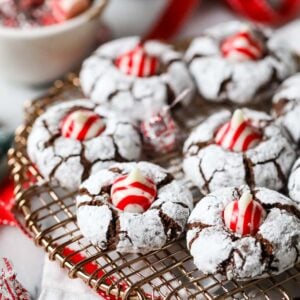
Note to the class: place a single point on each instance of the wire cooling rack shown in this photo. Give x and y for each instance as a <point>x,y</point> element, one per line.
<point>47,213</point>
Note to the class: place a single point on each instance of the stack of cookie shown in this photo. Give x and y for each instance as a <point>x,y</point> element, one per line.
<point>240,159</point>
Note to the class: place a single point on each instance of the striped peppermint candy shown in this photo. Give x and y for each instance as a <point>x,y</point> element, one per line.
<point>237,134</point>
<point>160,132</point>
<point>244,216</point>
<point>138,63</point>
<point>133,192</point>
<point>82,125</point>
<point>242,46</point>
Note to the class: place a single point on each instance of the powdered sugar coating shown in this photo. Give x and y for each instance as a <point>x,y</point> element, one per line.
<point>294,182</point>
<point>212,167</point>
<point>134,96</point>
<point>132,232</point>
<point>286,106</point>
<point>70,161</point>
<point>219,79</point>
<point>272,250</point>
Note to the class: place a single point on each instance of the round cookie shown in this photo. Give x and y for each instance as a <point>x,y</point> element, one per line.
<point>271,249</point>
<point>238,62</point>
<point>294,182</point>
<point>104,79</point>
<point>109,227</point>
<point>286,106</point>
<point>211,166</point>
<point>71,156</point>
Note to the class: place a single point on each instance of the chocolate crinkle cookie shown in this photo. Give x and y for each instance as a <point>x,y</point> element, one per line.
<point>294,182</point>
<point>239,63</point>
<point>72,140</point>
<point>245,147</point>
<point>286,106</point>
<point>135,77</point>
<point>244,234</point>
<point>132,208</point>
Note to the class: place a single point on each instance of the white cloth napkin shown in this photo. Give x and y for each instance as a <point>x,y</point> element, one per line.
<point>57,285</point>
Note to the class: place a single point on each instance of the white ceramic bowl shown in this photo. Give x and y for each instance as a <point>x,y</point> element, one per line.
<point>39,55</point>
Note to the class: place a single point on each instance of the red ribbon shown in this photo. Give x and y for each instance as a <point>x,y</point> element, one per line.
<point>172,19</point>
<point>6,203</point>
<point>261,10</point>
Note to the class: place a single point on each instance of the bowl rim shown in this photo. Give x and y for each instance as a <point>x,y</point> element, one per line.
<point>90,14</point>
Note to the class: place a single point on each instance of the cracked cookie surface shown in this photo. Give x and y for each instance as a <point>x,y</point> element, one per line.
<point>135,96</point>
<point>219,79</point>
<point>286,106</point>
<point>294,182</point>
<point>109,228</point>
<point>211,167</point>
<point>70,161</point>
<point>216,249</point>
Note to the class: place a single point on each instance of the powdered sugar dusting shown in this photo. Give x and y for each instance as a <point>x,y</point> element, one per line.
<point>219,79</point>
<point>211,167</point>
<point>216,249</point>
<point>134,232</point>
<point>56,156</point>
<point>104,83</point>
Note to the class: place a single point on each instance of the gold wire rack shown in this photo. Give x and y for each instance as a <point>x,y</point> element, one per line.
<point>47,213</point>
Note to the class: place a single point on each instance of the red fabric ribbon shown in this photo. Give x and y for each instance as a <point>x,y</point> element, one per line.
<point>172,18</point>
<point>6,203</point>
<point>261,10</point>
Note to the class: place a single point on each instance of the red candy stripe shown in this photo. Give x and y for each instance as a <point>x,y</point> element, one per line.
<point>241,138</point>
<point>124,193</point>
<point>138,63</point>
<point>235,216</point>
<point>243,44</point>
<point>90,126</point>
<point>244,218</point>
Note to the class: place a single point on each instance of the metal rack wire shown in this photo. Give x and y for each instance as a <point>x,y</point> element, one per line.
<point>47,213</point>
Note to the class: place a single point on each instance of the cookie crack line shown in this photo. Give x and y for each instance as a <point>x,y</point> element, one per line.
<point>206,187</point>
<point>273,160</point>
<point>87,165</point>
<point>286,207</point>
<point>267,251</point>
<point>200,226</point>
<point>171,227</point>
<point>112,234</point>
<point>126,236</point>
<point>223,89</point>
<point>279,106</point>
<point>249,173</point>
<point>93,202</point>
<point>200,146</point>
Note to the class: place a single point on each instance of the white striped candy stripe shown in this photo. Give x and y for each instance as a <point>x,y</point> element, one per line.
<point>239,138</point>
<point>133,196</point>
<point>243,220</point>
<point>242,46</point>
<point>82,125</point>
<point>138,63</point>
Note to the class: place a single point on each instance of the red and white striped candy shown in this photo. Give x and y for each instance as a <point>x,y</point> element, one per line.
<point>160,132</point>
<point>242,46</point>
<point>237,134</point>
<point>66,9</point>
<point>244,216</point>
<point>82,125</point>
<point>133,192</point>
<point>138,63</point>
